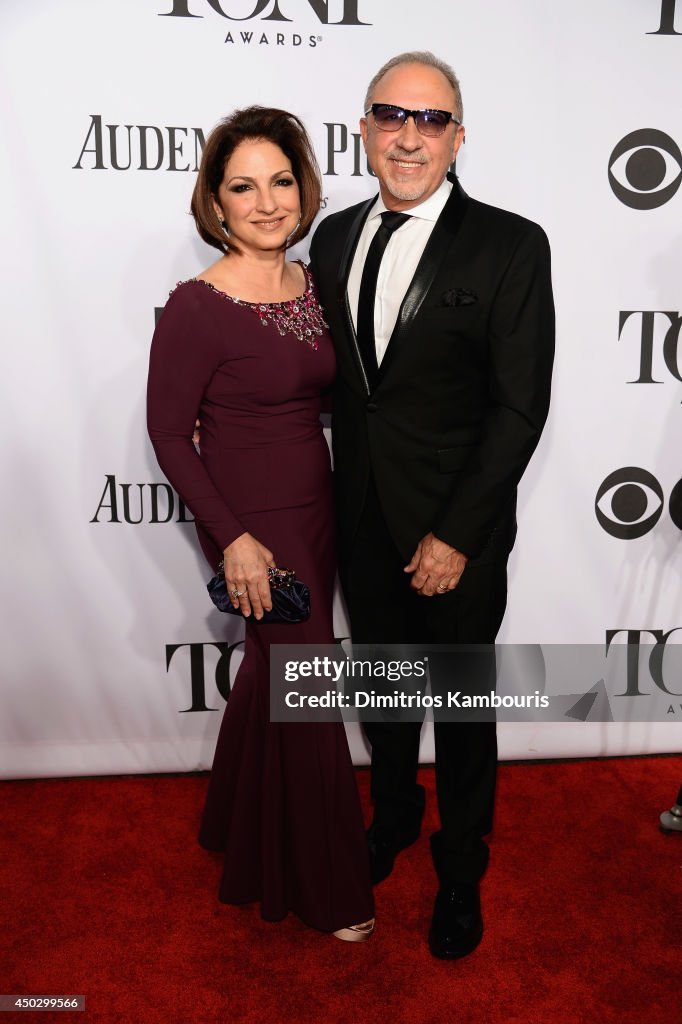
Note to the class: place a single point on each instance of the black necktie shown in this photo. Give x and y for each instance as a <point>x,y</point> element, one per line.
<point>390,222</point>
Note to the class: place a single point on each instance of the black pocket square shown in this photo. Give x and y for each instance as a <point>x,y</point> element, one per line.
<point>458,297</point>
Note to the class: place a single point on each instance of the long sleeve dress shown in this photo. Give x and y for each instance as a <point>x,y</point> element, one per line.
<point>282,800</point>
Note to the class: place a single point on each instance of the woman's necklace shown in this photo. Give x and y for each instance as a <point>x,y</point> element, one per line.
<point>302,316</point>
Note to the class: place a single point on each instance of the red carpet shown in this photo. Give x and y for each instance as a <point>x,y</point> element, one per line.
<point>105,892</point>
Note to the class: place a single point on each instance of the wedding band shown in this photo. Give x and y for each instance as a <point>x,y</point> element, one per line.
<point>237,593</point>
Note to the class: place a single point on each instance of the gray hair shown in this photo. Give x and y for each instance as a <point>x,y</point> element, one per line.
<point>429,60</point>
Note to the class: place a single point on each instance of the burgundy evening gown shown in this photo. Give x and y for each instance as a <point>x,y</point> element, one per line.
<point>282,800</point>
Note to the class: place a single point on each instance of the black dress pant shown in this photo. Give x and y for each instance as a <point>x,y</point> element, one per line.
<point>384,609</point>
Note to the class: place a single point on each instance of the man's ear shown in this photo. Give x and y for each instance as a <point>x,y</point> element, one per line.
<point>457,141</point>
<point>363,130</point>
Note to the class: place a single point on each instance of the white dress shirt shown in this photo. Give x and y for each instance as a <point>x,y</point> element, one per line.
<point>399,262</point>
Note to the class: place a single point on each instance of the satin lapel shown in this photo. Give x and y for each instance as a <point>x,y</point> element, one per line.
<point>444,231</point>
<point>345,265</point>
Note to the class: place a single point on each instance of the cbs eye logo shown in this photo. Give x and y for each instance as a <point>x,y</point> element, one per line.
<point>645,169</point>
<point>630,502</point>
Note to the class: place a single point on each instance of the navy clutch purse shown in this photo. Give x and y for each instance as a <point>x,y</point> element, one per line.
<point>290,597</point>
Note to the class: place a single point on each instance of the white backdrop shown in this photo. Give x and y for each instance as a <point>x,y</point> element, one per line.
<point>96,232</point>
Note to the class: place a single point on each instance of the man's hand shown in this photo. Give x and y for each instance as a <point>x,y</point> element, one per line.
<point>436,566</point>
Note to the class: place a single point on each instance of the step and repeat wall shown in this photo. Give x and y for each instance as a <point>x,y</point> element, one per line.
<point>113,659</point>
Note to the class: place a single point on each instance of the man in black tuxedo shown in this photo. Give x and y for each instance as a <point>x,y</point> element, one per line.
<point>443,323</point>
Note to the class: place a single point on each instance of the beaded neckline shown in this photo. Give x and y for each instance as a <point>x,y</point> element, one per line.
<point>301,316</point>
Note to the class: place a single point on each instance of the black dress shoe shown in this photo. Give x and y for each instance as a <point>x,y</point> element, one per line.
<point>383,850</point>
<point>457,925</point>
<point>385,844</point>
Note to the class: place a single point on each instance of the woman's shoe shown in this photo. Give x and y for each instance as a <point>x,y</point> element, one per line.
<point>356,932</point>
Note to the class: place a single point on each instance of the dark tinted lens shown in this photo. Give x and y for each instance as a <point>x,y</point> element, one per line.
<point>388,117</point>
<point>432,122</point>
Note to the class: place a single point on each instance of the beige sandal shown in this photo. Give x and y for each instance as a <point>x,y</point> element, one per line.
<point>356,932</point>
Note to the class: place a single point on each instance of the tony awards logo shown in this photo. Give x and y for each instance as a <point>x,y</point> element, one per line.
<point>269,10</point>
<point>656,333</point>
<point>265,21</point>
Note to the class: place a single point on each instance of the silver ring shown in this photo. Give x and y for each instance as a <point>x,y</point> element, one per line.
<point>237,593</point>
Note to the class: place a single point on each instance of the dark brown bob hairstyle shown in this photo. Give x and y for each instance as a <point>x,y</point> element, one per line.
<point>272,125</point>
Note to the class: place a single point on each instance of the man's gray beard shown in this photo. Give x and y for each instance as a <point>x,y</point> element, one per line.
<point>404,192</point>
<point>406,196</point>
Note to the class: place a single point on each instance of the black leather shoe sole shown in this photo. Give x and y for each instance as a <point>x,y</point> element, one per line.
<point>449,949</point>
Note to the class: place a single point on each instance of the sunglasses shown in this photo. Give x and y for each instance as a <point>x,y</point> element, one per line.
<point>390,118</point>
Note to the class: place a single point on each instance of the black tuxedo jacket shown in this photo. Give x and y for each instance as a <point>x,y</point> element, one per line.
<point>450,423</point>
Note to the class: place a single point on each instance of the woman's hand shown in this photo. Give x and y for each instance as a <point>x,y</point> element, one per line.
<point>246,575</point>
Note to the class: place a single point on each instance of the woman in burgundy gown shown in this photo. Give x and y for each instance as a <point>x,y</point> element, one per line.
<point>244,348</point>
